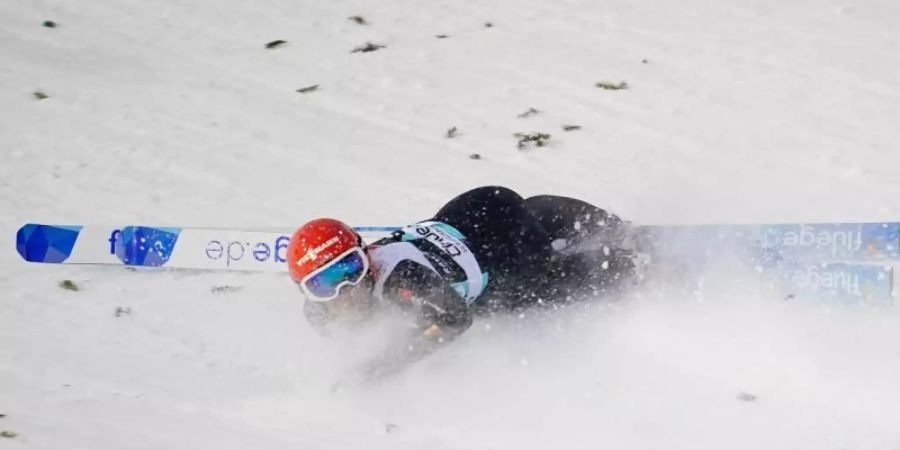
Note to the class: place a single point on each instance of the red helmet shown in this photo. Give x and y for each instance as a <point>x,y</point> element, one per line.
<point>324,255</point>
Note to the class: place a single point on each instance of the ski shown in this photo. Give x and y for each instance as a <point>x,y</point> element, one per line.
<point>854,261</point>
<point>766,244</point>
<point>859,242</point>
<point>169,247</point>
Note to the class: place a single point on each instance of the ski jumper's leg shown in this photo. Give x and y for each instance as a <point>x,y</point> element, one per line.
<point>507,239</point>
<point>570,219</point>
<point>589,259</point>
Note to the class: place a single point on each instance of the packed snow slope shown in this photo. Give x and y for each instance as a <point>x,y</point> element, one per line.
<point>176,113</point>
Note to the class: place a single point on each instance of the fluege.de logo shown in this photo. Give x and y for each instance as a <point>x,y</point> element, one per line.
<point>834,242</point>
<point>235,251</point>
<point>150,246</point>
<point>871,241</point>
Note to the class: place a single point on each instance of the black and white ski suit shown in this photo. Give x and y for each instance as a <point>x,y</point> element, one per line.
<point>490,250</point>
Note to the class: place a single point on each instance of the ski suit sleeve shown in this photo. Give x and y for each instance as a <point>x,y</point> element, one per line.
<point>429,299</point>
<point>438,312</point>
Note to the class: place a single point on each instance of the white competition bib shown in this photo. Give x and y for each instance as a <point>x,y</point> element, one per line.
<point>450,241</point>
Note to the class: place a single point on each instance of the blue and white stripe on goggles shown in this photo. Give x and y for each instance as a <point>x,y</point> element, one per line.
<point>325,283</point>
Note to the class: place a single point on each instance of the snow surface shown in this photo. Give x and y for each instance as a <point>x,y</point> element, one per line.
<point>175,113</point>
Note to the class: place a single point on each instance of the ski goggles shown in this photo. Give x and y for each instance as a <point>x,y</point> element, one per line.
<point>325,283</point>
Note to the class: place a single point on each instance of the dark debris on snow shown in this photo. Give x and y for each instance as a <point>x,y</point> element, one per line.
<point>528,113</point>
<point>308,89</point>
<point>367,47</point>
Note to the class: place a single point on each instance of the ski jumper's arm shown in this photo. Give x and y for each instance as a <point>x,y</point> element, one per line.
<point>437,312</point>
<point>422,294</point>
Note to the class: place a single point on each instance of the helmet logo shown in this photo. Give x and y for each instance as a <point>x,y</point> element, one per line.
<point>313,253</point>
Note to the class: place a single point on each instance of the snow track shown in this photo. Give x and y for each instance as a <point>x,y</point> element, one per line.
<point>176,113</point>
